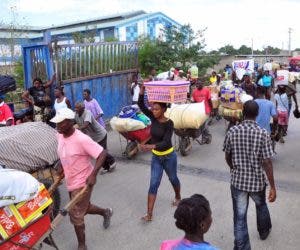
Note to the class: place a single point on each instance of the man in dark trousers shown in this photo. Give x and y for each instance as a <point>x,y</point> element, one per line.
<point>248,152</point>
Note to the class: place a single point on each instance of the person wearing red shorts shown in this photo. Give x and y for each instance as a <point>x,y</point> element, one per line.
<point>282,106</point>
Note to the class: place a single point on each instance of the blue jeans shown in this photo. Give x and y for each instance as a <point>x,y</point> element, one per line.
<point>240,201</point>
<point>158,165</point>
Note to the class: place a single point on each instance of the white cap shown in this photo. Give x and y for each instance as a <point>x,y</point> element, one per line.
<point>63,114</point>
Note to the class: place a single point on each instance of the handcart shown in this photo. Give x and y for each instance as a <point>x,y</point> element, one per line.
<point>40,230</point>
<point>186,136</point>
<point>134,138</point>
<point>31,147</point>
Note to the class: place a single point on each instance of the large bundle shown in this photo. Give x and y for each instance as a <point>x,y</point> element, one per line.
<point>231,113</point>
<point>282,77</point>
<point>16,186</point>
<point>126,124</point>
<point>167,91</point>
<point>187,115</point>
<point>129,119</point>
<point>7,83</point>
<point>28,146</point>
<point>230,98</point>
<point>214,92</point>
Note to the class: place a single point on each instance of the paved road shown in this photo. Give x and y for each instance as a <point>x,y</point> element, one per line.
<point>203,171</point>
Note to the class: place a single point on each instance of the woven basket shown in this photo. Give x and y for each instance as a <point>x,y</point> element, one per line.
<point>167,91</point>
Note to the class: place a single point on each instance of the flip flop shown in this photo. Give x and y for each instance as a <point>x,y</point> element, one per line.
<point>175,202</point>
<point>147,218</point>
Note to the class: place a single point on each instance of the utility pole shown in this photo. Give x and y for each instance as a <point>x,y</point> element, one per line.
<point>252,47</point>
<point>290,31</point>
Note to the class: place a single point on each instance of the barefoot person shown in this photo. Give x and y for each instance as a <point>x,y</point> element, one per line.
<point>193,216</point>
<point>75,151</point>
<point>163,154</point>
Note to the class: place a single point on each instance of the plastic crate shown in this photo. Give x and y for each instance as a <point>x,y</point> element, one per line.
<point>167,91</point>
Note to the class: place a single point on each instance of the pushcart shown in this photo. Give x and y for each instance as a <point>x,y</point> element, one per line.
<point>186,136</point>
<point>31,147</point>
<point>40,230</point>
<point>133,138</point>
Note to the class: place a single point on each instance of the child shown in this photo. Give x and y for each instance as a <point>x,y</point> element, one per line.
<point>193,216</point>
<point>282,106</point>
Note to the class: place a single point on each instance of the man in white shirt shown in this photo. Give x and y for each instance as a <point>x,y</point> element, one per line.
<point>135,89</point>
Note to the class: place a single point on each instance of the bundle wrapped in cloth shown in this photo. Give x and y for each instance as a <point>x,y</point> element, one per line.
<point>214,92</point>
<point>126,124</point>
<point>231,97</point>
<point>230,113</point>
<point>190,115</point>
<point>130,119</point>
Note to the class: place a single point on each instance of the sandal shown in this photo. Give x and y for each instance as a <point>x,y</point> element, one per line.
<point>147,217</point>
<point>175,202</point>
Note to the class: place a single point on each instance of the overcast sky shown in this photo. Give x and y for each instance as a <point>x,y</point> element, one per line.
<point>234,22</point>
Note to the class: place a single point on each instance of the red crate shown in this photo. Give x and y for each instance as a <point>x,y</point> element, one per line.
<point>29,236</point>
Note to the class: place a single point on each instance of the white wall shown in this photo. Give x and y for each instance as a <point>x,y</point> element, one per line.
<point>122,33</point>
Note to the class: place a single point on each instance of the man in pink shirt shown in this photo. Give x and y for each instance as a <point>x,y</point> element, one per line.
<point>75,151</point>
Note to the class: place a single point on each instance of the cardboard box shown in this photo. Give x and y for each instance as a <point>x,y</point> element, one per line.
<point>31,209</point>
<point>10,221</point>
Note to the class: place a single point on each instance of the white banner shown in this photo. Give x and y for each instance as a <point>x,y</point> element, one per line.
<point>247,65</point>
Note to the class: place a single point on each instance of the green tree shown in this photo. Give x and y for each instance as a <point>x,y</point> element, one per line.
<point>244,50</point>
<point>228,50</point>
<point>177,45</point>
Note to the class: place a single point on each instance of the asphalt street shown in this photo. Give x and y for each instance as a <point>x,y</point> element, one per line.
<point>203,171</point>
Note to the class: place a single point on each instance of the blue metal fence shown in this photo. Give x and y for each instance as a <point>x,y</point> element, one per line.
<point>109,81</point>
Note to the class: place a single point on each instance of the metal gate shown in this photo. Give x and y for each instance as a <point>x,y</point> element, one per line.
<point>104,68</point>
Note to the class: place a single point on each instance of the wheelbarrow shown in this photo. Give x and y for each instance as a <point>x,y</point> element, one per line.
<point>134,138</point>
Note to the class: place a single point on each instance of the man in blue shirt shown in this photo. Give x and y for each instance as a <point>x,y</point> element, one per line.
<point>267,110</point>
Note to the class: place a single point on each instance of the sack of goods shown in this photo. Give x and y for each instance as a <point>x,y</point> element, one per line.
<point>24,200</point>
<point>126,124</point>
<point>190,115</point>
<point>194,72</point>
<point>282,77</point>
<point>167,91</point>
<point>232,113</point>
<point>230,98</point>
<point>129,120</point>
<point>214,92</point>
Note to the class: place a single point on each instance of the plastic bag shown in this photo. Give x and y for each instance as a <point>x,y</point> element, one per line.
<point>16,186</point>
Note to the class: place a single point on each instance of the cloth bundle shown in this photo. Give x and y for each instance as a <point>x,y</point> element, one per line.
<point>187,115</point>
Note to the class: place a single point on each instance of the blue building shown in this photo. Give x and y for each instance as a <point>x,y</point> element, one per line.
<point>122,27</point>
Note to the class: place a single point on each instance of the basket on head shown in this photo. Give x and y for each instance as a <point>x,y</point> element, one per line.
<point>167,91</point>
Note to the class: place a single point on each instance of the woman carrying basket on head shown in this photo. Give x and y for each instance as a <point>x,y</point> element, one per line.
<point>163,154</point>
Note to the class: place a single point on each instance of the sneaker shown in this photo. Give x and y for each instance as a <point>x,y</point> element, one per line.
<point>106,218</point>
<point>264,235</point>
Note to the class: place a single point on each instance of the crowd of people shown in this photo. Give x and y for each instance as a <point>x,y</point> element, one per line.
<point>247,146</point>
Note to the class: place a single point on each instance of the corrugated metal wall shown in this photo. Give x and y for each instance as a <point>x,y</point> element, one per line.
<point>112,91</point>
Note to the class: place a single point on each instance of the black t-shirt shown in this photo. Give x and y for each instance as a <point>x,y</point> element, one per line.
<point>38,95</point>
<point>161,132</point>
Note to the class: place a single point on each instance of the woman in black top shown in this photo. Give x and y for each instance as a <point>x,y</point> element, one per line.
<point>163,155</point>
